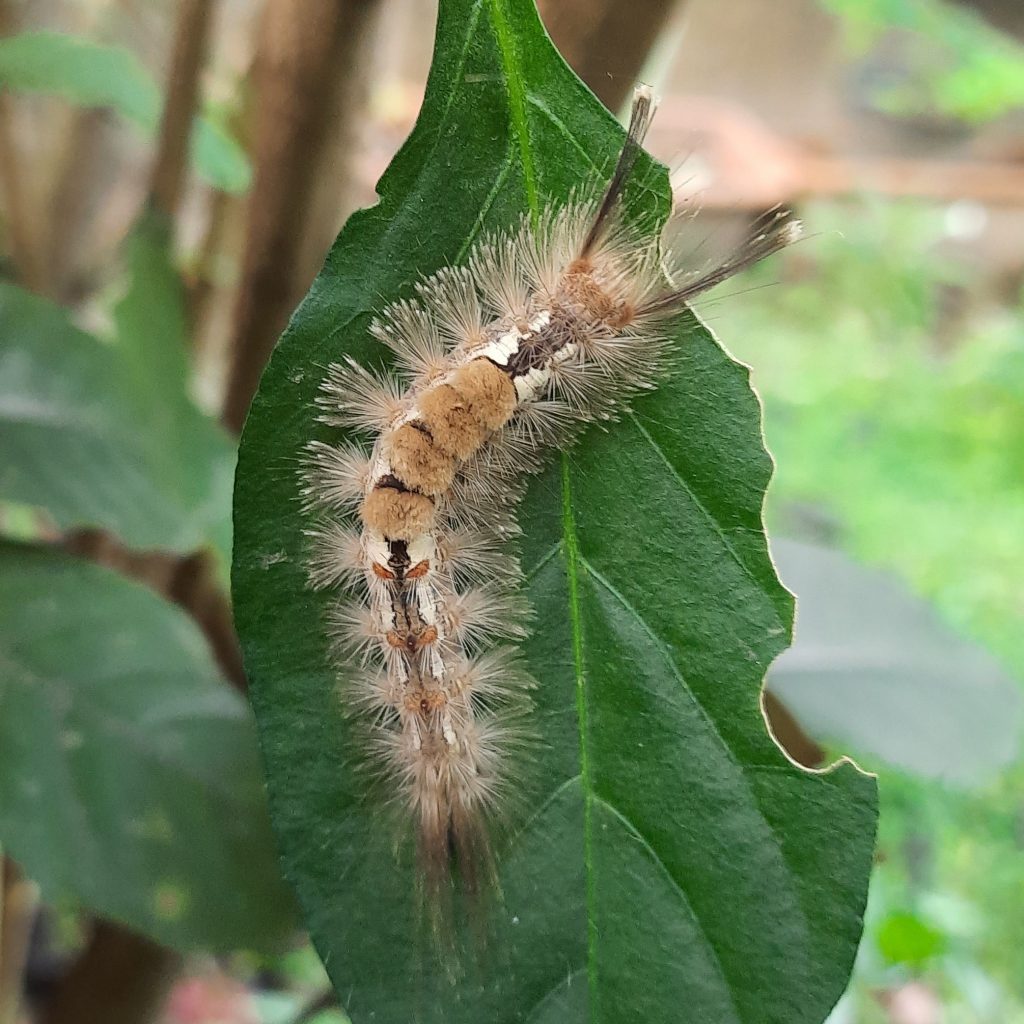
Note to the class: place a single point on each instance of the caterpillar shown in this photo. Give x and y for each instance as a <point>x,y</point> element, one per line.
<point>546,328</point>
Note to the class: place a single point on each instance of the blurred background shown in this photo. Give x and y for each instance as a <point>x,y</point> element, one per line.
<point>143,282</point>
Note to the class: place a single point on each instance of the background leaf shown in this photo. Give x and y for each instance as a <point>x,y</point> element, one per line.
<point>673,858</point>
<point>152,333</point>
<point>89,74</point>
<point>129,778</point>
<point>103,435</point>
<point>150,325</point>
<point>875,669</point>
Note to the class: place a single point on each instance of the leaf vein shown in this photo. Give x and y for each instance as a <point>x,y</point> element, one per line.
<point>572,564</point>
<point>704,510</point>
<point>664,649</point>
<point>565,982</point>
<point>681,893</point>
<point>516,102</point>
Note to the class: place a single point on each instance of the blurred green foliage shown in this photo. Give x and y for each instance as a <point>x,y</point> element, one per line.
<point>892,384</point>
<point>904,938</point>
<point>958,65</point>
<point>89,74</point>
<point>894,402</point>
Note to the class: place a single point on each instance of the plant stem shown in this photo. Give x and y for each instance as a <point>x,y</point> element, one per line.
<point>308,76</point>
<point>22,238</point>
<point>191,38</point>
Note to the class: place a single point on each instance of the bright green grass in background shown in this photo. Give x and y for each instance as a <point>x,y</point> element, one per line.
<point>894,407</point>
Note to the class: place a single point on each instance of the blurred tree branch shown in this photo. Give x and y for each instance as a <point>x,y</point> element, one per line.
<point>82,166</point>
<point>308,73</point>
<point>22,236</point>
<point>607,42</point>
<point>191,39</point>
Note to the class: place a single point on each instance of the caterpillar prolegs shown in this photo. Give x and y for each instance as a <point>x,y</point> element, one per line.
<point>504,360</point>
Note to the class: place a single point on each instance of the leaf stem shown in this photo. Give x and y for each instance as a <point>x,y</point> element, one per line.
<point>191,38</point>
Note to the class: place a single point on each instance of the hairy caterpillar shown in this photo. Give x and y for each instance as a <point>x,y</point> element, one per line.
<point>548,327</point>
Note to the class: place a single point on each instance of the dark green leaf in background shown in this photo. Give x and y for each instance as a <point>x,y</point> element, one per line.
<point>89,74</point>
<point>673,864</point>
<point>129,777</point>
<point>150,325</point>
<point>151,331</point>
<point>875,668</point>
<point>103,435</point>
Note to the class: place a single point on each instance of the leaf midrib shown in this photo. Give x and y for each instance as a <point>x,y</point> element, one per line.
<point>520,129</point>
<point>572,565</point>
<point>516,103</point>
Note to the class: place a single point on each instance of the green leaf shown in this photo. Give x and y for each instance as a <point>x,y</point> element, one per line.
<point>129,778</point>
<point>152,332</point>
<point>150,325</point>
<point>673,858</point>
<point>875,669</point>
<point>89,74</point>
<point>97,437</point>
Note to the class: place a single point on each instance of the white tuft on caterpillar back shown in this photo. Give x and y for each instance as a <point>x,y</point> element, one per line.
<point>547,328</point>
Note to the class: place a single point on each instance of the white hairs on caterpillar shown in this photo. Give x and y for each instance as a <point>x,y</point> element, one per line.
<point>500,362</point>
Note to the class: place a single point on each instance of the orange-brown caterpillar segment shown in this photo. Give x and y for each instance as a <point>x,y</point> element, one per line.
<point>400,515</point>
<point>548,328</point>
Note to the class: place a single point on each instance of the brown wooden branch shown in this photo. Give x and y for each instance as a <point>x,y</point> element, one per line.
<point>80,187</point>
<point>22,230</point>
<point>201,283</point>
<point>22,236</point>
<point>208,295</point>
<point>309,64</point>
<point>195,588</point>
<point>607,42</point>
<point>191,39</point>
<point>121,978</point>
